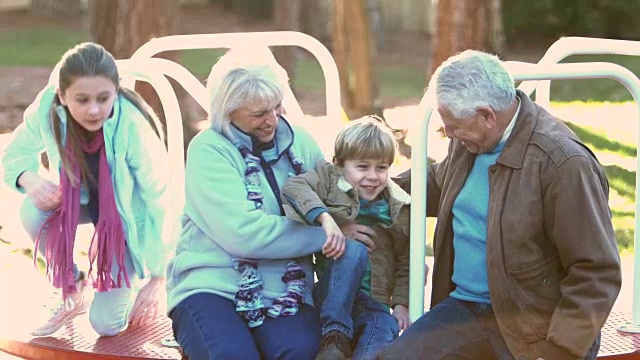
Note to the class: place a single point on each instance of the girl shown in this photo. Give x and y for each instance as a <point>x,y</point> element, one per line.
<point>109,167</point>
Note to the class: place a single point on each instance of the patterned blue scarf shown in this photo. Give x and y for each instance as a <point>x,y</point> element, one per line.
<point>248,299</point>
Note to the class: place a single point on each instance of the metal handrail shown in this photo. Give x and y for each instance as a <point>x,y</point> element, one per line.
<point>574,45</point>
<point>257,40</point>
<point>147,70</point>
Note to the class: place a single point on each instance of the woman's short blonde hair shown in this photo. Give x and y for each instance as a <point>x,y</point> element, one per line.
<point>366,138</point>
<point>241,78</point>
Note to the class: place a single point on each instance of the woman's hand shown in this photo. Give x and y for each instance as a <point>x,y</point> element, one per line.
<point>45,194</point>
<point>147,307</point>
<point>362,233</point>
<point>335,244</point>
<point>401,313</point>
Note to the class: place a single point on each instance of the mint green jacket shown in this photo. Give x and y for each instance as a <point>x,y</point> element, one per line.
<point>138,162</point>
<point>220,224</point>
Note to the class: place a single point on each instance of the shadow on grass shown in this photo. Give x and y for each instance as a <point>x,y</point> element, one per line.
<point>624,239</point>
<point>621,180</point>
<point>601,142</point>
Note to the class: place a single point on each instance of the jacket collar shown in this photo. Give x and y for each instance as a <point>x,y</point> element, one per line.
<point>514,150</point>
<point>283,138</point>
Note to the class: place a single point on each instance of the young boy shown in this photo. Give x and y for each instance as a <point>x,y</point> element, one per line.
<point>355,188</point>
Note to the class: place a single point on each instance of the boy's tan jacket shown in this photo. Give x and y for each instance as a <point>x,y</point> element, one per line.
<point>324,187</point>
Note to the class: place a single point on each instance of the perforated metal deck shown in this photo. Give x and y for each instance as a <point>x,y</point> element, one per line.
<point>77,340</point>
<point>618,345</point>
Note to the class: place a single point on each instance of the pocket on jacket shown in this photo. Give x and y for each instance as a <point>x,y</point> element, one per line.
<point>538,290</point>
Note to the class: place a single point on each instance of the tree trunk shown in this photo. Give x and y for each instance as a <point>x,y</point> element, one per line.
<point>446,40</point>
<point>473,25</point>
<point>314,21</point>
<point>287,17</point>
<point>339,47</point>
<point>495,37</point>
<point>466,24</point>
<point>360,53</point>
<point>351,43</point>
<point>122,26</point>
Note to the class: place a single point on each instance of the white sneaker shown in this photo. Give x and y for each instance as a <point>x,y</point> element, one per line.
<point>65,310</point>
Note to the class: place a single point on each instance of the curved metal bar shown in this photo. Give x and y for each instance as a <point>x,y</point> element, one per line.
<point>143,69</point>
<point>257,39</point>
<point>177,72</point>
<point>574,45</point>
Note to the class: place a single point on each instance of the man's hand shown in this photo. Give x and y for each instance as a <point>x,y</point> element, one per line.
<point>362,233</point>
<point>401,313</point>
<point>335,244</point>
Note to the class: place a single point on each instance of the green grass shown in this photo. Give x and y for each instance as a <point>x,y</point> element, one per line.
<point>595,89</point>
<point>37,46</point>
<point>401,83</point>
<point>199,62</point>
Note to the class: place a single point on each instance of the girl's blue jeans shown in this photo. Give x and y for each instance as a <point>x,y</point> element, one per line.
<point>109,312</point>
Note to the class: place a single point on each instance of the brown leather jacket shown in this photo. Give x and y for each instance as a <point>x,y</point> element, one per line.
<point>552,262</point>
<point>324,187</point>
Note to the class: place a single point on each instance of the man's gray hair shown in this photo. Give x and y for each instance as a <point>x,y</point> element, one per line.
<point>242,78</point>
<point>469,80</point>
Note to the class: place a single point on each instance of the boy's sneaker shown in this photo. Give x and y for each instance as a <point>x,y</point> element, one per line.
<point>65,310</point>
<point>334,346</point>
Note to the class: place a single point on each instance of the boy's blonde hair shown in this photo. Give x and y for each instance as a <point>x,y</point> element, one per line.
<point>367,138</point>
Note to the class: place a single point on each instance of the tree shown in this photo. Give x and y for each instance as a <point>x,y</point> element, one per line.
<point>287,17</point>
<point>467,24</point>
<point>351,43</point>
<point>122,26</point>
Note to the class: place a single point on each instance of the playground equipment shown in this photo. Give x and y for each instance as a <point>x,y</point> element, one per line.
<point>79,341</point>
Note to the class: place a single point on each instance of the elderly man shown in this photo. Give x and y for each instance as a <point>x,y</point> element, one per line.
<point>526,264</point>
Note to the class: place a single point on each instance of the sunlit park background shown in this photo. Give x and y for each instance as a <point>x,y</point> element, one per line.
<point>401,56</point>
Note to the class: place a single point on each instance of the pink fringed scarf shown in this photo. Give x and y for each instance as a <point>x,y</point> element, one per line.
<point>62,224</point>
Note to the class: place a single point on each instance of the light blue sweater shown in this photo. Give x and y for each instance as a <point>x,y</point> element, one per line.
<point>470,232</point>
<point>138,162</point>
<point>220,223</point>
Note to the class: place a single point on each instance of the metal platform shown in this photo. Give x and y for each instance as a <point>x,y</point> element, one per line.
<point>77,340</point>
<point>616,345</point>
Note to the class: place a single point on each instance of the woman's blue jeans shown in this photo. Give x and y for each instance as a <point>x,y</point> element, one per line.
<point>208,327</point>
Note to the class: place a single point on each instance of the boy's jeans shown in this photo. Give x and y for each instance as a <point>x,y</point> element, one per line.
<point>375,327</point>
<point>336,291</point>
<point>344,307</point>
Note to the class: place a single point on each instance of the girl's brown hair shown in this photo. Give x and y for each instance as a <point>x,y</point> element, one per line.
<point>89,60</point>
